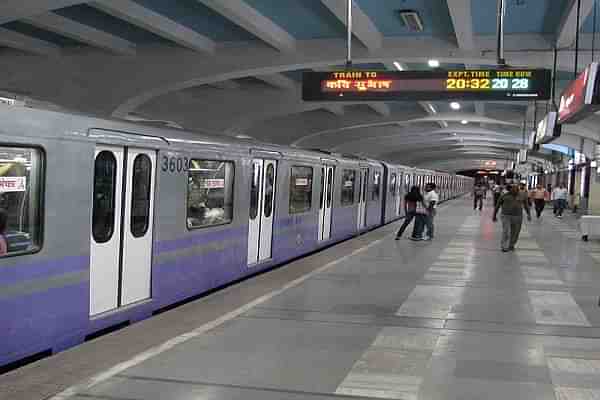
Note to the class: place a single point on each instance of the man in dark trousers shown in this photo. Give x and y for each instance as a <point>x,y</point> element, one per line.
<point>478,193</point>
<point>512,204</point>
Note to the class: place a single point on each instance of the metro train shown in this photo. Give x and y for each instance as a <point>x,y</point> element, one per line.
<point>109,222</point>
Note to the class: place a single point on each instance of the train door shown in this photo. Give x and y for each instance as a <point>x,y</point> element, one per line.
<point>362,198</point>
<point>262,207</point>
<point>122,227</point>
<point>326,202</point>
<point>398,190</point>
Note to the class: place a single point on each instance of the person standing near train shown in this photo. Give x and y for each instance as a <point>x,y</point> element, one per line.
<point>431,199</point>
<point>411,200</point>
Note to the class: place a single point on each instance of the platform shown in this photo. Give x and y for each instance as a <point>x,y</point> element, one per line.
<point>454,318</point>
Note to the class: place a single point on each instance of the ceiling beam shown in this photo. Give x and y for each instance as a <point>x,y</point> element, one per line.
<point>83,33</point>
<point>362,27</point>
<point>336,109</point>
<point>462,19</point>
<point>226,85</point>
<point>254,22</point>
<point>27,43</point>
<point>156,23</point>
<point>568,26</point>
<point>12,10</point>
<point>279,81</point>
<point>380,108</point>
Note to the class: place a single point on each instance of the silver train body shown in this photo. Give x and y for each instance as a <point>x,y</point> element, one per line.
<point>109,223</point>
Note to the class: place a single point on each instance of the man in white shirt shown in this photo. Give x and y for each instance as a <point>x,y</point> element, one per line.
<point>430,199</point>
<point>560,195</point>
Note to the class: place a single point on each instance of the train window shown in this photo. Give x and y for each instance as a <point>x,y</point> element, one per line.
<point>269,183</point>
<point>140,197</point>
<point>322,188</point>
<point>393,185</point>
<point>348,179</point>
<point>254,190</point>
<point>329,187</point>
<point>376,186</point>
<point>300,189</point>
<point>210,193</point>
<point>20,200</point>
<point>103,207</point>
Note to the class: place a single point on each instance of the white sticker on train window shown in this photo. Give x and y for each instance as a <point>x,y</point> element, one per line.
<point>301,181</point>
<point>348,183</point>
<point>13,184</point>
<point>212,183</point>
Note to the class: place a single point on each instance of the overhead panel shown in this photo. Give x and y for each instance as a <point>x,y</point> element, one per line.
<point>463,84</point>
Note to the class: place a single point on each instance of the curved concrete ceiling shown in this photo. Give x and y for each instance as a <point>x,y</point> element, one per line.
<point>234,68</point>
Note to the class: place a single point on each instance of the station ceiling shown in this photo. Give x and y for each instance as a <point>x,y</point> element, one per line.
<point>234,67</point>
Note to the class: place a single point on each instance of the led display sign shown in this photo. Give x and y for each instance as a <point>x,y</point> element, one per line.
<point>482,84</point>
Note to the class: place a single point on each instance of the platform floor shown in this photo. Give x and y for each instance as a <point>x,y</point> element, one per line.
<point>454,318</point>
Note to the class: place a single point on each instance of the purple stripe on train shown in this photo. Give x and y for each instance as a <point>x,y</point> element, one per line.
<point>23,272</point>
<point>48,319</point>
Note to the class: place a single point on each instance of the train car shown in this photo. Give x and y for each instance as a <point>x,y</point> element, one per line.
<point>111,222</point>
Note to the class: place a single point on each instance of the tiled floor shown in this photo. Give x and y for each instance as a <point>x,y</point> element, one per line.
<point>454,318</point>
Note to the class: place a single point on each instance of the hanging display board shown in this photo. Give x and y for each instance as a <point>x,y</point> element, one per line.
<point>547,129</point>
<point>580,98</point>
<point>481,84</point>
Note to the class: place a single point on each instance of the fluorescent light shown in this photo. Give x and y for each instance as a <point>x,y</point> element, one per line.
<point>455,106</point>
<point>398,66</point>
<point>433,63</point>
<point>432,108</point>
<point>464,122</point>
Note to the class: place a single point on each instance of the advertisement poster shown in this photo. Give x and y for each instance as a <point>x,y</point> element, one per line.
<point>10,184</point>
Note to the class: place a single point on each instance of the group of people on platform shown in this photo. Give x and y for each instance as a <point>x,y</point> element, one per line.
<point>421,208</point>
<point>514,199</point>
<point>538,196</point>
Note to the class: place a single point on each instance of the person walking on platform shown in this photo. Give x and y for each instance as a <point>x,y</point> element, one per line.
<point>539,199</point>
<point>497,191</point>
<point>430,199</point>
<point>478,193</point>
<point>411,200</point>
<point>512,204</point>
<point>560,197</point>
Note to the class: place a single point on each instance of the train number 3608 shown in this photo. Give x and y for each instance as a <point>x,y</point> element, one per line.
<point>175,164</point>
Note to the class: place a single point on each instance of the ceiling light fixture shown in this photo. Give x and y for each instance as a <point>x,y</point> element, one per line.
<point>464,122</point>
<point>433,63</point>
<point>398,66</point>
<point>411,20</point>
<point>455,105</point>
